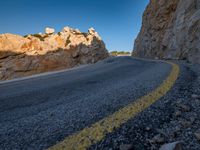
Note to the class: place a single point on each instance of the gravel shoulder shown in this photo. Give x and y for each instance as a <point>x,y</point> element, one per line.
<point>174,118</point>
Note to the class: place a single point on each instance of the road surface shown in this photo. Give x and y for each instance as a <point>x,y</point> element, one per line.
<point>39,112</point>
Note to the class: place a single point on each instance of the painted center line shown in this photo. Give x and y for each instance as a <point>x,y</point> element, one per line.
<point>96,132</point>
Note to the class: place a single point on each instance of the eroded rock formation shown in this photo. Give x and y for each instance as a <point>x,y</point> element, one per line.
<point>170,29</point>
<point>37,53</point>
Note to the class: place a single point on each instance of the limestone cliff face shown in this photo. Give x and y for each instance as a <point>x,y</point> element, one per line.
<point>170,29</point>
<point>23,56</point>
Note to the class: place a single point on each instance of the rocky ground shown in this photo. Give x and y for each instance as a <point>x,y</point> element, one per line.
<point>174,118</point>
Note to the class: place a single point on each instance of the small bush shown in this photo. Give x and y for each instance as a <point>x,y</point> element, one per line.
<point>68,40</point>
<point>25,36</point>
<point>115,53</point>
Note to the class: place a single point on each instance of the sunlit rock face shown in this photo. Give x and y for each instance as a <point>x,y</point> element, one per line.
<point>49,30</point>
<point>170,29</point>
<point>37,53</point>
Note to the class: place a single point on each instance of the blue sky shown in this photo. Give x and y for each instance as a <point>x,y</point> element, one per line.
<point>117,21</point>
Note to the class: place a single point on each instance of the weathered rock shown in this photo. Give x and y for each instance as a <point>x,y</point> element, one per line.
<point>157,139</point>
<point>10,42</point>
<point>172,146</point>
<point>170,30</point>
<point>184,107</point>
<point>92,32</point>
<point>49,30</point>
<point>66,29</point>
<point>37,53</point>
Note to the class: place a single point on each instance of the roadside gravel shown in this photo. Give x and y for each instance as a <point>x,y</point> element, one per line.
<point>175,117</point>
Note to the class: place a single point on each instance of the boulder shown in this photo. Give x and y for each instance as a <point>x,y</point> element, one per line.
<point>49,30</point>
<point>172,146</point>
<point>66,29</point>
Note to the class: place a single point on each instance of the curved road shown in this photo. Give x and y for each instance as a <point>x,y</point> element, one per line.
<point>38,112</point>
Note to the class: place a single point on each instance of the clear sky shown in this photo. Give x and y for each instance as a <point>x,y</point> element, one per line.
<point>117,21</point>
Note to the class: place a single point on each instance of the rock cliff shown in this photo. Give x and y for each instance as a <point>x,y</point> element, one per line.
<point>37,53</point>
<point>170,30</point>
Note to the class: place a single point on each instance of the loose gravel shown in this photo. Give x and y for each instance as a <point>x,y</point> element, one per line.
<point>175,117</point>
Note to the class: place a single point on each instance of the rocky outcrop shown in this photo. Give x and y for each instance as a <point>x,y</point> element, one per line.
<point>170,29</point>
<point>37,53</point>
<point>49,30</point>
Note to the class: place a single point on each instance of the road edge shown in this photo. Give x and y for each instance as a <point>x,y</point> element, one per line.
<point>97,131</point>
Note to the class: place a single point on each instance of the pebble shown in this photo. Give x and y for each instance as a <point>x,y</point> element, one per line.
<point>197,135</point>
<point>126,147</point>
<point>195,96</point>
<point>157,139</point>
<point>161,132</point>
<point>184,108</point>
<point>186,124</point>
<point>147,128</point>
<point>192,119</point>
<point>178,113</point>
<point>172,146</point>
<point>177,129</point>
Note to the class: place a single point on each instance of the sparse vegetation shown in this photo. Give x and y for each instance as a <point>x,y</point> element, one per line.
<point>68,40</point>
<point>116,53</point>
<point>25,36</point>
<point>85,34</point>
<point>59,33</point>
<point>41,37</point>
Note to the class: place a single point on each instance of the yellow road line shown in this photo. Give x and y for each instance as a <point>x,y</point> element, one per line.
<point>96,132</point>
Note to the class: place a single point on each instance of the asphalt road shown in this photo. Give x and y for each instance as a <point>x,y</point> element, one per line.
<point>38,112</point>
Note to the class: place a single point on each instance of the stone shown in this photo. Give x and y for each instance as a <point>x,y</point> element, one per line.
<point>49,30</point>
<point>170,30</point>
<point>126,147</point>
<point>178,113</point>
<point>38,53</point>
<point>172,146</point>
<point>184,107</point>
<point>147,128</point>
<point>197,135</point>
<point>177,129</point>
<point>195,96</point>
<point>186,124</point>
<point>157,139</point>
